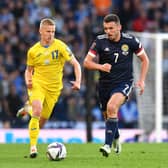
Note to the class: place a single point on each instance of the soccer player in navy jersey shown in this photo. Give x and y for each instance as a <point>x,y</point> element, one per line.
<point>115,50</point>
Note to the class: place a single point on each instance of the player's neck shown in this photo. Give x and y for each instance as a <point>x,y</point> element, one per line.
<point>117,38</point>
<point>46,43</point>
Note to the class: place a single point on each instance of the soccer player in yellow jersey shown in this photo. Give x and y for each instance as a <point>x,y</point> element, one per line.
<point>43,77</point>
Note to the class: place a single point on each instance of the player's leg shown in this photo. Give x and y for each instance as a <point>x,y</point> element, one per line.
<point>116,145</point>
<point>42,122</point>
<point>113,105</point>
<point>34,127</point>
<point>105,149</point>
<point>25,110</point>
<point>51,99</point>
<point>36,99</point>
<point>111,126</point>
<point>118,95</point>
<point>40,114</point>
<point>48,106</point>
<point>104,94</point>
<point>125,89</point>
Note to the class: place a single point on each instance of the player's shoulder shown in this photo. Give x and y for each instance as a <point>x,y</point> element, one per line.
<point>63,47</point>
<point>34,47</point>
<point>130,38</point>
<point>127,36</point>
<point>102,37</point>
<point>59,42</point>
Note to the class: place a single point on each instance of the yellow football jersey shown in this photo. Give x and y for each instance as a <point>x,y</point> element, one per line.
<point>48,63</point>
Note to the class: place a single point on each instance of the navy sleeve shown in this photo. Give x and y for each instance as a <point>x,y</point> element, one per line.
<point>136,45</point>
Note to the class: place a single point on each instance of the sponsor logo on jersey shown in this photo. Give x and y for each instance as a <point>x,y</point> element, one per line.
<point>125,49</point>
<point>106,49</point>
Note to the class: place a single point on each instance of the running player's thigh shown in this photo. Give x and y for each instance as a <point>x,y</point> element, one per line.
<point>36,93</point>
<point>49,103</point>
<point>117,99</point>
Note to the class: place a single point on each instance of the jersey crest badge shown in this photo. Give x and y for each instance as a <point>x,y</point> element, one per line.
<point>46,62</point>
<point>125,49</point>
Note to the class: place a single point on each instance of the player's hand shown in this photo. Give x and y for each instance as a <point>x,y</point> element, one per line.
<point>106,67</point>
<point>75,85</point>
<point>141,86</point>
<point>29,84</point>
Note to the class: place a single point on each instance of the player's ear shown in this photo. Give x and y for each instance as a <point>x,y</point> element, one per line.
<point>119,27</point>
<point>39,30</point>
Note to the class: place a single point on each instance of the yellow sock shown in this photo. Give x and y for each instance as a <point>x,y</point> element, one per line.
<point>33,131</point>
<point>30,110</point>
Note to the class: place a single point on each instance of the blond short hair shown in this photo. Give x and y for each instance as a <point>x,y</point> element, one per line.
<point>47,21</point>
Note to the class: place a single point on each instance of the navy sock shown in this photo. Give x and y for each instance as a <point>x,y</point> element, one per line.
<point>117,135</point>
<point>111,126</point>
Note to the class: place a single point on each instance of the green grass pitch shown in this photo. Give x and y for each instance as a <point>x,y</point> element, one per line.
<point>135,155</point>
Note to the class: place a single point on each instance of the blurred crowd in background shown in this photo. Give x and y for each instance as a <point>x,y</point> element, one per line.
<point>77,24</point>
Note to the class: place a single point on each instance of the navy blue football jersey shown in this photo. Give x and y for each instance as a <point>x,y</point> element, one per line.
<point>118,54</point>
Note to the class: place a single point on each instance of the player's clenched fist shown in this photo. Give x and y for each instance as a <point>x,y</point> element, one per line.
<point>106,67</point>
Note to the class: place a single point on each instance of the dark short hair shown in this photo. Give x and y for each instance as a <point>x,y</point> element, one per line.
<point>111,18</point>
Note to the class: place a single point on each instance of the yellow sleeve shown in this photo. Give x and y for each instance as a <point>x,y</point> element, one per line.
<point>66,52</point>
<point>29,58</point>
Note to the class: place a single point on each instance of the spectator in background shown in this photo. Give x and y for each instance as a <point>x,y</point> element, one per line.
<point>5,118</point>
<point>102,7</point>
<point>125,12</point>
<point>12,103</point>
<point>140,23</point>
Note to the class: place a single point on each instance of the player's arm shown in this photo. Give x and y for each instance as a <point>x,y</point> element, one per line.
<point>28,76</point>
<point>89,63</point>
<point>143,73</point>
<point>77,70</point>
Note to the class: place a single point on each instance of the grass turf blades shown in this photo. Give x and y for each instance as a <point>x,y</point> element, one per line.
<point>136,155</point>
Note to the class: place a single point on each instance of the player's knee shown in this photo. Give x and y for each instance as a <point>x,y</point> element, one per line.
<point>112,110</point>
<point>111,107</point>
<point>36,108</point>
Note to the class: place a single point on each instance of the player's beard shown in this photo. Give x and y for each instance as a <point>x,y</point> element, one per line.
<point>114,36</point>
<point>111,37</point>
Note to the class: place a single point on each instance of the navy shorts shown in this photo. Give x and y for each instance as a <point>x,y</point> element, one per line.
<point>106,92</point>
